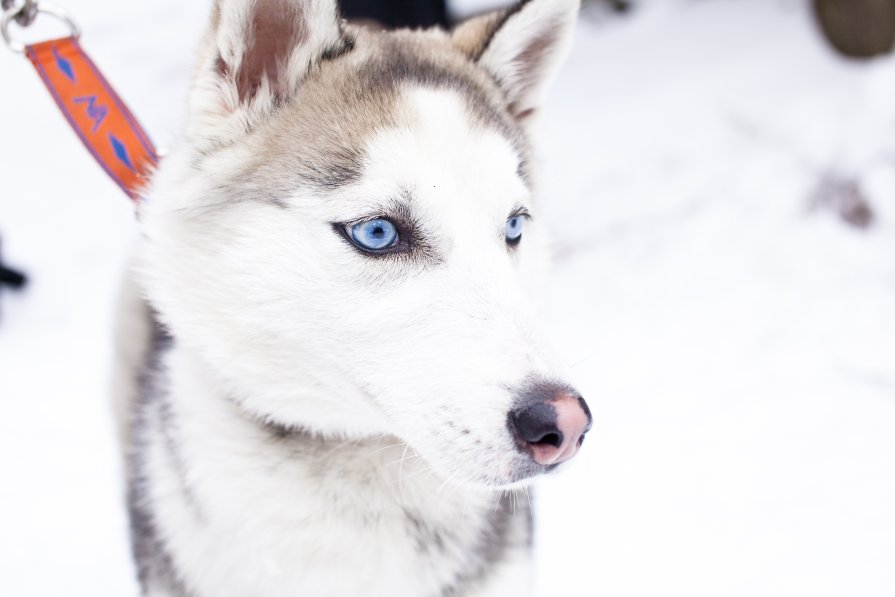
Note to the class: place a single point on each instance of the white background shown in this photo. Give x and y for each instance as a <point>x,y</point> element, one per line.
<point>736,345</point>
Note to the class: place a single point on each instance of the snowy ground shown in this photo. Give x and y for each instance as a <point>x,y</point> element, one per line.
<point>737,346</point>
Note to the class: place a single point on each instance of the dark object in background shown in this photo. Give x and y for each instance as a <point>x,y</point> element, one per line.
<point>614,5</point>
<point>601,9</point>
<point>10,277</point>
<point>398,13</point>
<point>858,28</point>
<point>844,197</point>
<point>619,5</point>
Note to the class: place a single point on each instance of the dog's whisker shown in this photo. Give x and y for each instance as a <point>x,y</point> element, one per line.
<point>384,448</point>
<point>446,481</point>
<point>410,458</point>
<point>414,475</point>
<point>453,489</point>
<point>401,472</point>
<point>531,509</point>
<point>356,442</point>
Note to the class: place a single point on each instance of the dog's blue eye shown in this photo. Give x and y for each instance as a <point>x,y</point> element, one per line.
<point>374,235</point>
<point>514,228</point>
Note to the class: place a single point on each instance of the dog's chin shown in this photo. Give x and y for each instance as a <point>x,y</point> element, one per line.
<point>519,475</point>
<point>524,476</point>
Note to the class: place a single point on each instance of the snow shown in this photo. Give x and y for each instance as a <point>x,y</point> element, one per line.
<point>736,343</point>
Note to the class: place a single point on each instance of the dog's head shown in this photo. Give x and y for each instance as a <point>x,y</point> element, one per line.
<point>349,236</point>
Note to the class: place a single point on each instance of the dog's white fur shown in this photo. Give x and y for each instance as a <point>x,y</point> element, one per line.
<point>325,423</point>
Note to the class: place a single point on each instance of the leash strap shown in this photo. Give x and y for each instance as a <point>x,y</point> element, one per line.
<point>101,120</point>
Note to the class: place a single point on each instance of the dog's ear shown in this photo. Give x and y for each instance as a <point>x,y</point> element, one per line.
<point>255,55</point>
<point>521,47</point>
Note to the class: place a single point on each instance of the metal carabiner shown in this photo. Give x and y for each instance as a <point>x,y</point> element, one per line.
<point>24,13</point>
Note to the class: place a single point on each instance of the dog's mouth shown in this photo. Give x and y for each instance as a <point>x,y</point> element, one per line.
<point>519,473</point>
<point>528,472</point>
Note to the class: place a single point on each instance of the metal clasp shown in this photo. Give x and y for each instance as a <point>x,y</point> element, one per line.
<point>24,13</point>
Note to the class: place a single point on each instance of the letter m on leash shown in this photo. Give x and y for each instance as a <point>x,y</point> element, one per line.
<point>95,112</point>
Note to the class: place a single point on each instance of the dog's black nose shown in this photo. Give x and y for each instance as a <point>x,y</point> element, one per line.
<point>550,423</point>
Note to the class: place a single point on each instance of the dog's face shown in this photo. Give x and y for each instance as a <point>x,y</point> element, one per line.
<point>349,237</point>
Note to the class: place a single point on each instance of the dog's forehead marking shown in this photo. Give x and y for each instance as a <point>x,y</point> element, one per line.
<point>443,117</point>
<point>408,86</point>
<point>439,148</point>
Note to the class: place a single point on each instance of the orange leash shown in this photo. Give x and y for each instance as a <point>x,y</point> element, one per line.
<point>101,120</point>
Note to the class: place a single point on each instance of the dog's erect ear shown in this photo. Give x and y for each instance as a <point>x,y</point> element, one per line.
<point>255,54</point>
<point>521,47</point>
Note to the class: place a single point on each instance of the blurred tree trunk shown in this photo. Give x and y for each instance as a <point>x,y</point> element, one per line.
<point>858,28</point>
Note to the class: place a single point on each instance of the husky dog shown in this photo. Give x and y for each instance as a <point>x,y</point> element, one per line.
<point>346,392</point>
